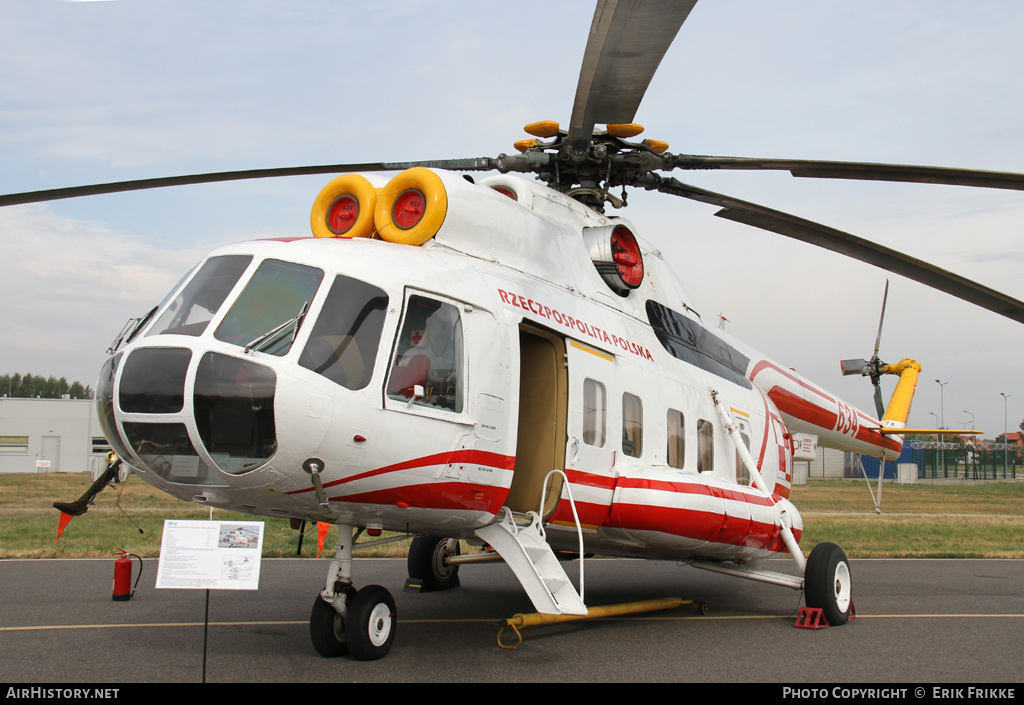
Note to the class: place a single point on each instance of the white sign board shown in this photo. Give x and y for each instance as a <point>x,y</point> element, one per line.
<point>210,555</point>
<point>805,446</point>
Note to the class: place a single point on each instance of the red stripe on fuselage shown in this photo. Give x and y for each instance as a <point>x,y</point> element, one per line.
<point>694,524</point>
<point>469,457</point>
<point>699,525</point>
<point>694,488</point>
<point>434,495</point>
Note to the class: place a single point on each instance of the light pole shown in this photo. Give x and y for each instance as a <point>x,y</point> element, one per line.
<point>1006,439</point>
<point>942,423</point>
<point>969,450</point>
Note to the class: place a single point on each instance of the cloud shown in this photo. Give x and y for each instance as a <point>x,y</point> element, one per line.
<point>69,285</point>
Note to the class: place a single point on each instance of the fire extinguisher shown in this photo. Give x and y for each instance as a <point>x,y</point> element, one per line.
<point>123,589</point>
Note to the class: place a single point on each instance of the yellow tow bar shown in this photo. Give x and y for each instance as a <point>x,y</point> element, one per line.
<point>521,621</point>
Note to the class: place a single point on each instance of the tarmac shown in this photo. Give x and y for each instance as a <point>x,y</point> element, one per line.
<point>918,623</point>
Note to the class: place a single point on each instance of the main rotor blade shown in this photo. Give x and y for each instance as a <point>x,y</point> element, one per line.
<point>847,244</point>
<point>478,164</point>
<point>865,171</point>
<point>628,39</point>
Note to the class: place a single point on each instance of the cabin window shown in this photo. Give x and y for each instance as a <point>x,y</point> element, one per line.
<point>705,446</point>
<point>428,355</point>
<point>676,439</point>
<point>632,426</point>
<point>595,413</point>
<point>267,314</point>
<point>343,344</point>
<point>742,474</point>
<point>193,309</point>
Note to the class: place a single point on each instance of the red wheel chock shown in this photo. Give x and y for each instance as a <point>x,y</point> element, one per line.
<point>813,618</point>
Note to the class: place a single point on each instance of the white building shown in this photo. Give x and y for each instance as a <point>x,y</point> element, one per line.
<point>829,463</point>
<point>64,432</point>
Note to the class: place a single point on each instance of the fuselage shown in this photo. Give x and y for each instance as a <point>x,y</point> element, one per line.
<point>425,387</point>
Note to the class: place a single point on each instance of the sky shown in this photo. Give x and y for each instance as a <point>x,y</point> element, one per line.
<point>92,92</point>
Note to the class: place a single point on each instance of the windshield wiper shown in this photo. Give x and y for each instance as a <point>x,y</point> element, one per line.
<point>130,329</point>
<point>274,334</point>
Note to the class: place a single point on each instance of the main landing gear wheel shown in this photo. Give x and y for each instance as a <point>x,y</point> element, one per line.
<point>427,562</point>
<point>827,583</point>
<point>370,623</point>
<point>327,629</point>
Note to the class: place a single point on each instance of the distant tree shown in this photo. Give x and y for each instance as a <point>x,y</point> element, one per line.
<point>31,386</point>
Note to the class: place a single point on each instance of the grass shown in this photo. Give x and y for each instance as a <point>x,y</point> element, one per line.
<point>28,521</point>
<point>981,520</point>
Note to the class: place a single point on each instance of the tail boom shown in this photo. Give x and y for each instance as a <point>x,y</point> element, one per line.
<point>807,408</point>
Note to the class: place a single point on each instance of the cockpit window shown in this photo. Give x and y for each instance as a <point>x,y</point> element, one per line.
<point>346,336</point>
<point>267,314</point>
<point>428,354</point>
<point>198,302</point>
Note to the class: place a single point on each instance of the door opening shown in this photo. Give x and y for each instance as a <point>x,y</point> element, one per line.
<point>540,445</point>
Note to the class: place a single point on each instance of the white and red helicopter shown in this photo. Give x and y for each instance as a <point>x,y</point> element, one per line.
<point>499,361</point>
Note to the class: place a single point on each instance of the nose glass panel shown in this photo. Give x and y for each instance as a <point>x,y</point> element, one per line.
<point>153,381</point>
<point>165,449</point>
<point>234,411</point>
<point>105,406</point>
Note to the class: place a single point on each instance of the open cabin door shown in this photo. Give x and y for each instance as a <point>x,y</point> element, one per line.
<point>541,439</point>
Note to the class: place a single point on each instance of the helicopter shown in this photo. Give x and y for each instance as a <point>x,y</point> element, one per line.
<point>498,360</point>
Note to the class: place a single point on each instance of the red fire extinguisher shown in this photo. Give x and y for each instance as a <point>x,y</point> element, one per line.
<point>123,576</point>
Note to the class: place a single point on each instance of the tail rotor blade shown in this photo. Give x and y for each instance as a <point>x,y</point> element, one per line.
<point>879,405</point>
<point>878,339</point>
<point>854,367</point>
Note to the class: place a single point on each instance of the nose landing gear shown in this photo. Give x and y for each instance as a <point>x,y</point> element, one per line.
<point>344,621</point>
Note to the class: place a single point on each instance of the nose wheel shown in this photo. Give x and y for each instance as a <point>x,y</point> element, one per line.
<point>365,630</point>
<point>344,621</point>
<point>370,625</point>
<point>327,629</point>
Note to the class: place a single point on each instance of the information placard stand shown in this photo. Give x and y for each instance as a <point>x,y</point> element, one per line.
<point>210,555</point>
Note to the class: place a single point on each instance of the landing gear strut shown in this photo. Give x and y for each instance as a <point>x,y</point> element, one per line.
<point>344,621</point>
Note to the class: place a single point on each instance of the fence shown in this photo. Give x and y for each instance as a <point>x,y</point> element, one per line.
<point>953,460</point>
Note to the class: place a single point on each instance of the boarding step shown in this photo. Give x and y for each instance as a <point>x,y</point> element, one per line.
<point>528,554</point>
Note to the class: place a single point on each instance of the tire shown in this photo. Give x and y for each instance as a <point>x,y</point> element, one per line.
<point>327,629</point>
<point>426,562</point>
<point>828,583</point>
<point>370,623</point>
